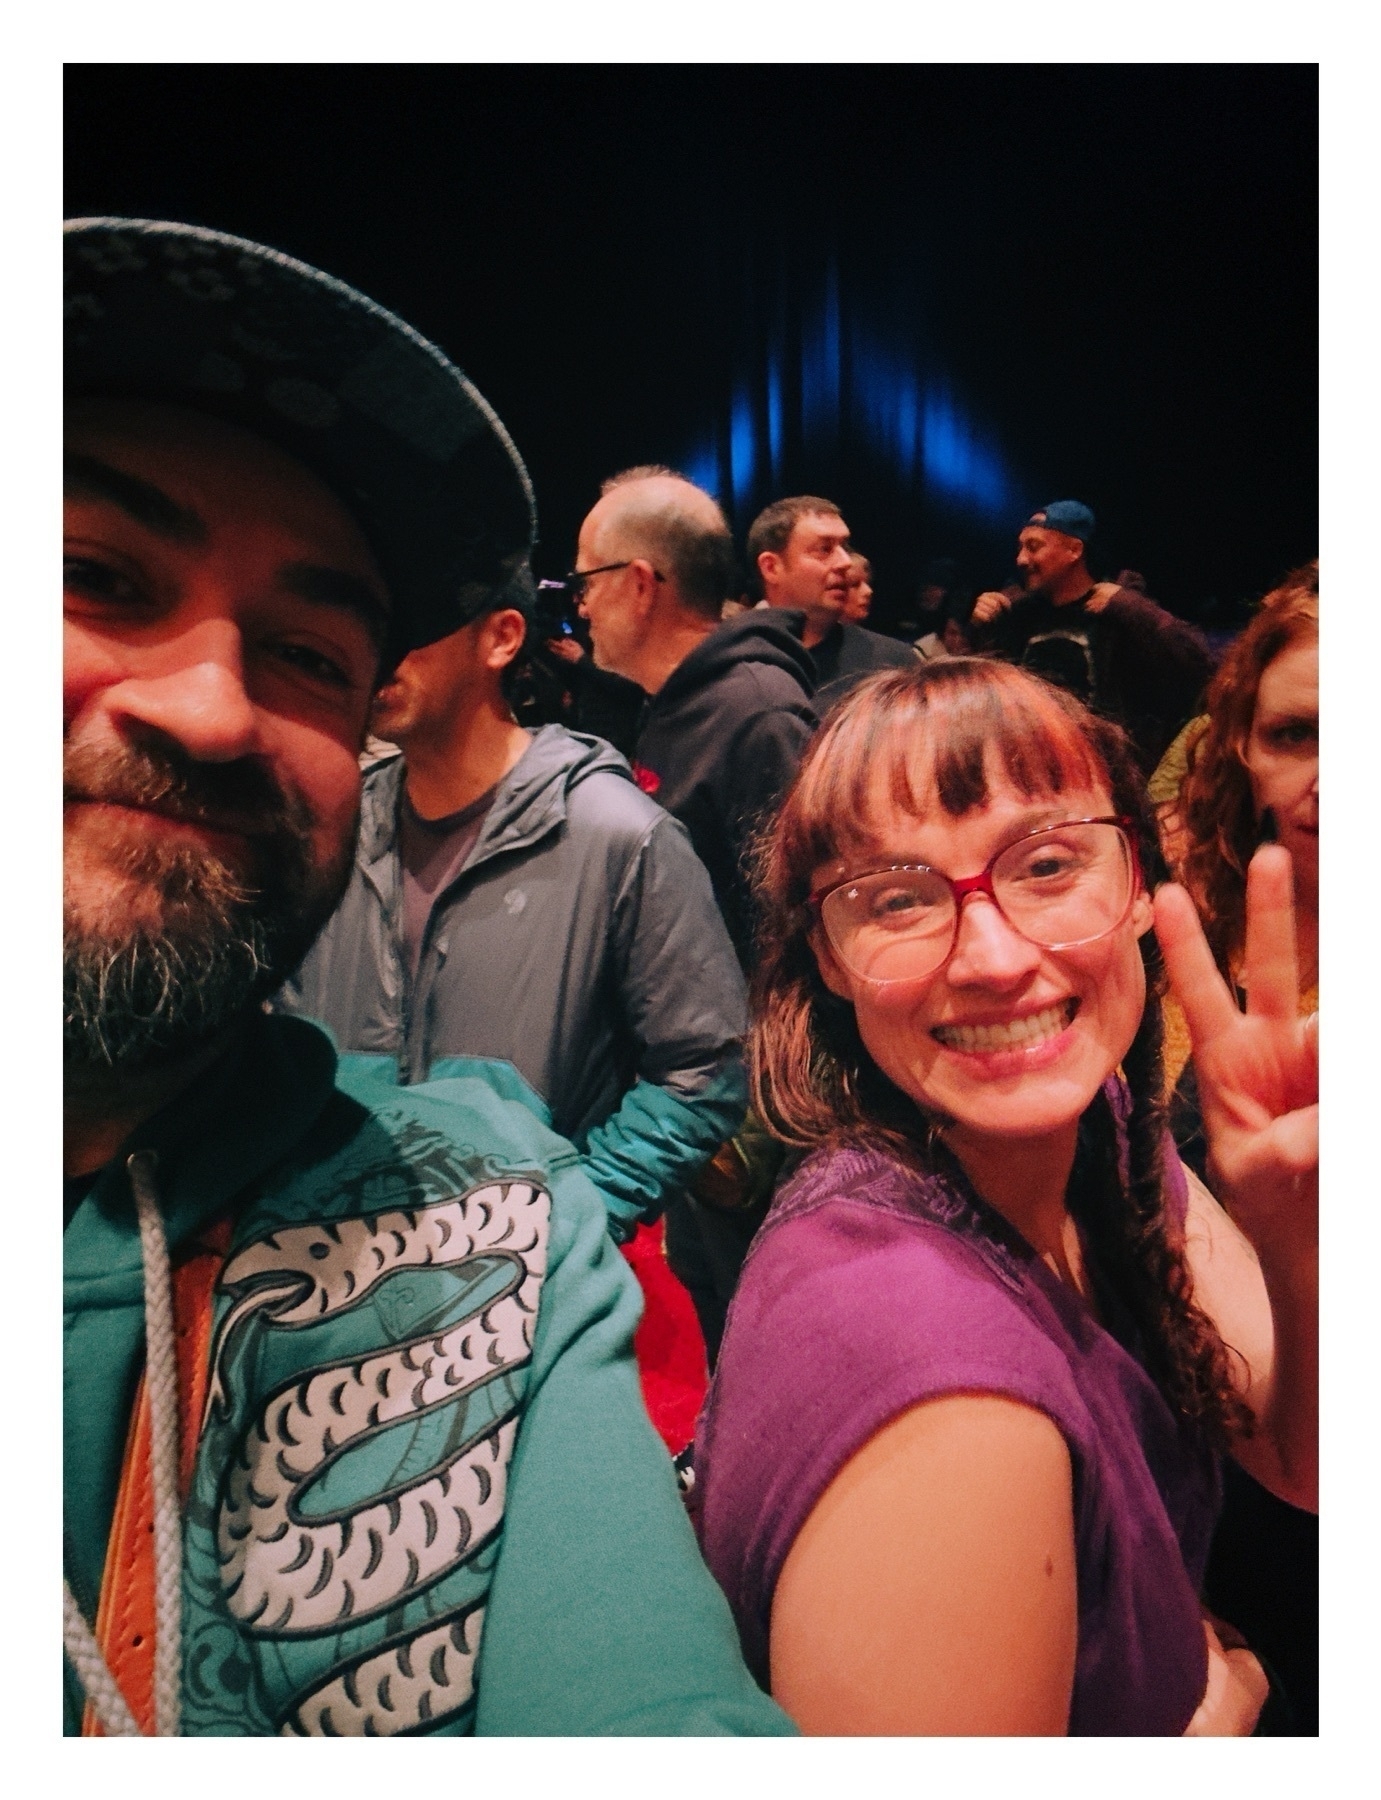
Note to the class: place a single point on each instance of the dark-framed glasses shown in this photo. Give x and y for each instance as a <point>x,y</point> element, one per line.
<point>1058,887</point>
<point>577,580</point>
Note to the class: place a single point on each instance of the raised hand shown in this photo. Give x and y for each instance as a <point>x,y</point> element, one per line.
<point>1258,1071</point>
<point>569,649</point>
<point>1236,1692</point>
<point>988,605</point>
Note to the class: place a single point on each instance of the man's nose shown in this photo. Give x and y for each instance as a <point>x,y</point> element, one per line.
<point>193,690</point>
<point>988,950</point>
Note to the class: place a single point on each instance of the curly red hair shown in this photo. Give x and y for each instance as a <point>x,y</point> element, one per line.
<point>1219,816</point>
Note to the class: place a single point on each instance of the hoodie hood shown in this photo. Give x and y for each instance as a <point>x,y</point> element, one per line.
<point>532,798</point>
<point>720,743</point>
<point>530,802</point>
<point>769,635</point>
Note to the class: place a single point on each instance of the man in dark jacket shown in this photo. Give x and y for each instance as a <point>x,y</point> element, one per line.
<point>729,711</point>
<point>799,556</point>
<point>516,899</point>
<point>1117,650</point>
<point>727,718</point>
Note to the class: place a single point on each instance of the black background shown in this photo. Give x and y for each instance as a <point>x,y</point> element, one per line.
<point>1113,267</point>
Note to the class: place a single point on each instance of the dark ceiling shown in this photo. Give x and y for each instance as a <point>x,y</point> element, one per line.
<point>1113,268</point>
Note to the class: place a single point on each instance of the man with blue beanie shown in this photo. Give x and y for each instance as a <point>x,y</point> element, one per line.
<point>1116,649</point>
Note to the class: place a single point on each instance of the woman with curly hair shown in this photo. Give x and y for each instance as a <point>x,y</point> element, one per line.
<point>1253,777</point>
<point>958,1468</point>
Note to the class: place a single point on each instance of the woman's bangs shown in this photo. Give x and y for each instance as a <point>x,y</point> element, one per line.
<point>826,816</point>
<point>1021,727</point>
<point>940,738</point>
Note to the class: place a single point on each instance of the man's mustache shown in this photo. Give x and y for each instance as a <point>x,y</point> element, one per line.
<point>241,796</point>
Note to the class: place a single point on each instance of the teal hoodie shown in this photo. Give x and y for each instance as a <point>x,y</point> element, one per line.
<point>426,1494</point>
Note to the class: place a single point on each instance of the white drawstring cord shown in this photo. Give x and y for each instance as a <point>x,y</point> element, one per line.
<point>84,1653</point>
<point>160,1376</point>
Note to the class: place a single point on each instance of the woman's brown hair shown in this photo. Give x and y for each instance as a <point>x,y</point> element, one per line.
<point>1220,819</point>
<point>936,734</point>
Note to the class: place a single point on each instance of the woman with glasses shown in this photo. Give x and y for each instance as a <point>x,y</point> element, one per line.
<point>958,1469</point>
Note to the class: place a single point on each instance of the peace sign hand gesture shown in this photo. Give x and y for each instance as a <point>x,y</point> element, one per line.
<point>1258,1071</point>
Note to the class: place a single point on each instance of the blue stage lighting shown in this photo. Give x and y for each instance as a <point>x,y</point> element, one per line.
<point>957,461</point>
<point>702,467</point>
<point>742,450</point>
<point>866,392</point>
<point>774,413</point>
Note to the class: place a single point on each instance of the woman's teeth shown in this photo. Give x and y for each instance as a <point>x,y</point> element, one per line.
<point>1033,1029</point>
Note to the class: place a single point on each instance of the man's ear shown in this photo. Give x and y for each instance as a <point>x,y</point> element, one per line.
<point>505,632</point>
<point>769,566</point>
<point>645,588</point>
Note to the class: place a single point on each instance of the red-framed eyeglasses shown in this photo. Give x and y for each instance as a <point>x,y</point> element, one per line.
<point>1058,886</point>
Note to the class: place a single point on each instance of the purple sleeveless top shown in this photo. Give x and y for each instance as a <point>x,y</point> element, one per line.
<point>872,1287</point>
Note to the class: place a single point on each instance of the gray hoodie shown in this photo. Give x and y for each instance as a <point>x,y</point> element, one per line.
<point>580,944</point>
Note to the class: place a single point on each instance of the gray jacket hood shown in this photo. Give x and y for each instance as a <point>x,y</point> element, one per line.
<point>530,804</point>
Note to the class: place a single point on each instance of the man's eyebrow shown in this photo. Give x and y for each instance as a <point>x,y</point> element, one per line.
<point>324,586</point>
<point>146,504</point>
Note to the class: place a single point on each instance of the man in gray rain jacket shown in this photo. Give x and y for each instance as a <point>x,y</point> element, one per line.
<point>516,899</point>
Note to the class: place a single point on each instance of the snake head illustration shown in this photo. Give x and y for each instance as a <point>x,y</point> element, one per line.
<point>299,1274</point>
<point>277,1293</point>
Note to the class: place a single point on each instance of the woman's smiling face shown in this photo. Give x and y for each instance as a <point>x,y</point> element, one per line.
<point>1007,1040</point>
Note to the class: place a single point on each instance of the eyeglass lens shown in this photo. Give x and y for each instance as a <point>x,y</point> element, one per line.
<point>1064,886</point>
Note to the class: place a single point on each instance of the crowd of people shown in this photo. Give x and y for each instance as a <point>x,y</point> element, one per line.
<point>948,999</point>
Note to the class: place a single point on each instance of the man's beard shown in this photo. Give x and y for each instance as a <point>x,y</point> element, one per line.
<point>206,941</point>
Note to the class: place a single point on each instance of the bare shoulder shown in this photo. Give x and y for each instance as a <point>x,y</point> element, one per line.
<point>933,1587</point>
<point>964,1437</point>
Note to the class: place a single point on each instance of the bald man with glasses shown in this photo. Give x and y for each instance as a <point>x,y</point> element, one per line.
<point>727,717</point>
